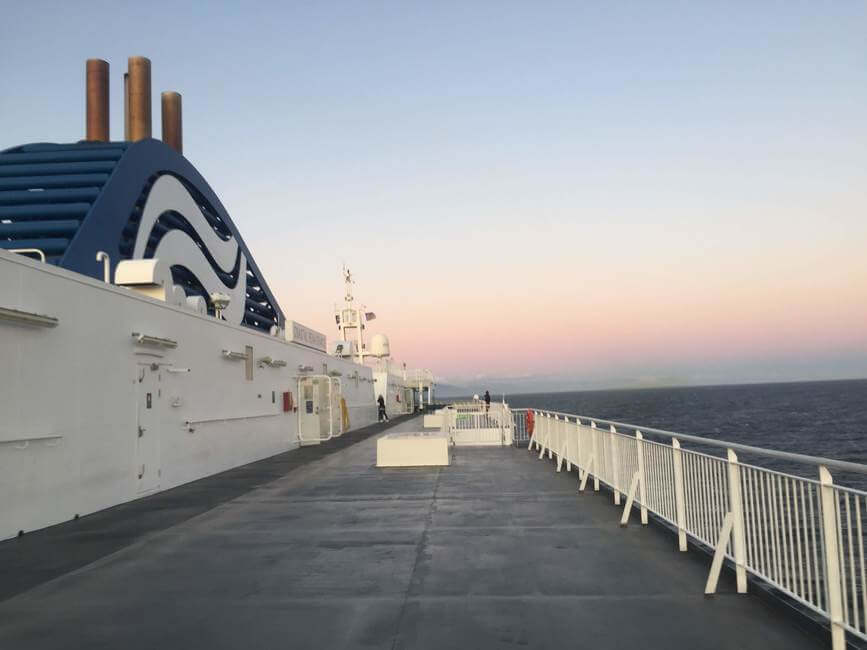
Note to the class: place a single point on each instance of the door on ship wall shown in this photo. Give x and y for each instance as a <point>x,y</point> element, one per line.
<point>334,408</point>
<point>310,416</point>
<point>319,414</point>
<point>147,451</point>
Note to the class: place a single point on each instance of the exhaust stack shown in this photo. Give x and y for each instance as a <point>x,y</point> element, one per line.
<point>173,134</point>
<point>139,98</point>
<point>126,105</point>
<point>97,115</point>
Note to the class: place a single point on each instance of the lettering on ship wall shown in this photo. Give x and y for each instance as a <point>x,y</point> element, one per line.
<point>305,336</point>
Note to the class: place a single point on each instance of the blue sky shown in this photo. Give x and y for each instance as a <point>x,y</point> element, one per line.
<point>631,161</point>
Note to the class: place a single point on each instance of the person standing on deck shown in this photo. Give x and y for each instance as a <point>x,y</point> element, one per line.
<point>382,414</point>
<point>487,401</point>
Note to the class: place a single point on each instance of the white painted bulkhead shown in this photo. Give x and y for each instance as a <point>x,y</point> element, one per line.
<point>76,433</point>
<point>398,396</point>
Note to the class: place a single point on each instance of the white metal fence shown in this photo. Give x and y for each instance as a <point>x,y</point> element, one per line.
<point>804,536</point>
<point>475,423</point>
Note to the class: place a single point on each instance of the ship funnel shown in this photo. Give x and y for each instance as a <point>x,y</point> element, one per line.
<point>139,98</point>
<point>173,134</point>
<point>126,105</point>
<point>96,120</point>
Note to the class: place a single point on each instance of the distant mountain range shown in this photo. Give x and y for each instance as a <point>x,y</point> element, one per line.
<point>451,390</point>
<point>498,387</point>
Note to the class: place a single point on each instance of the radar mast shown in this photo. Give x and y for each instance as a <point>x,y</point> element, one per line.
<point>351,317</point>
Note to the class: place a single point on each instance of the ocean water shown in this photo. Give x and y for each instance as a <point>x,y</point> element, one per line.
<point>826,418</point>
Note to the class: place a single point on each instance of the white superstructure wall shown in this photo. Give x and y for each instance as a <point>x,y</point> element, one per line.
<point>393,389</point>
<point>93,416</point>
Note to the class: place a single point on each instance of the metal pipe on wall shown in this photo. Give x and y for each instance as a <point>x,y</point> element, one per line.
<point>139,98</point>
<point>97,114</point>
<point>172,120</point>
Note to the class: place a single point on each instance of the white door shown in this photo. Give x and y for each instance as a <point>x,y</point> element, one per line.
<point>336,409</point>
<point>147,466</point>
<point>325,410</point>
<point>309,420</point>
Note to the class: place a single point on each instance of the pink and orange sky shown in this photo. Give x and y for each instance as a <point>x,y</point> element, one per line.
<point>559,195</point>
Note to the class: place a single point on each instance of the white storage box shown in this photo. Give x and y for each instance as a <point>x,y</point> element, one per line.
<point>415,449</point>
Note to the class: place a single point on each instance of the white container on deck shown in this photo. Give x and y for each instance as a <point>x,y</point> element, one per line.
<point>415,449</point>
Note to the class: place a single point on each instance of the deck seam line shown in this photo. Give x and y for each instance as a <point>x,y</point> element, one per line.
<point>422,544</point>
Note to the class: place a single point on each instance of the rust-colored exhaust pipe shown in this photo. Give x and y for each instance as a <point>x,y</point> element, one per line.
<point>173,126</point>
<point>139,98</point>
<point>96,121</point>
<point>126,105</point>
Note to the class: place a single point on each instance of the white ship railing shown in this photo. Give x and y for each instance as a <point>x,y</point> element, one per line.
<point>803,536</point>
<point>475,423</point>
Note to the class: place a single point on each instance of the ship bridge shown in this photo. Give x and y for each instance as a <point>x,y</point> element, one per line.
<point>318,548</point>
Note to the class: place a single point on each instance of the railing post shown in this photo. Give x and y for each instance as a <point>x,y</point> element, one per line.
<point>679,496</point>
<point>532,435</point>
<point>559,443</point>
<point>639,441</point>
<point>833,582</point>
<point>630,497</point>
<point>544,439</point>
<point>719,554</point>
<point>562,447</point>
<point>595,456</point>
<point>736,507</point>
<point>614,464</point>
<point>550,438</point>
<point>581,452</point>
<point>555,435</point>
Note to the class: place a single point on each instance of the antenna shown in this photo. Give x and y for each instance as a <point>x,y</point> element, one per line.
<point>347,279</point>
<point>352,317</point>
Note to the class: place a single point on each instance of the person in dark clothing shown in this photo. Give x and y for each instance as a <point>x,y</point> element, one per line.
<point>487,401</point>
<point>382,414</point>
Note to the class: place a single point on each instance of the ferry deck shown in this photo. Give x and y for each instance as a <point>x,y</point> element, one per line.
<point>317,548</point>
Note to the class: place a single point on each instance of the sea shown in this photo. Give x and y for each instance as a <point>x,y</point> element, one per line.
<point>822,418</point>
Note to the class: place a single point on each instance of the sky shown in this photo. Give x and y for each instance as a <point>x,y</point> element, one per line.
<point>544,194</point>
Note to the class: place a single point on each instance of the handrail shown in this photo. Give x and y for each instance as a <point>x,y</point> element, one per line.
<point>844,465</point>
<point>102,256</point>
<point>232,418</point>
<point>805,537</point>
<point>26,251</point>
<point>34,438</point>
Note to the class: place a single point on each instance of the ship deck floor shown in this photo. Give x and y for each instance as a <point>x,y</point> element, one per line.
<point>327,551</point>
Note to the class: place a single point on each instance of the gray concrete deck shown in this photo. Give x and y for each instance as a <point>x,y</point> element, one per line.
<point>496,551</point>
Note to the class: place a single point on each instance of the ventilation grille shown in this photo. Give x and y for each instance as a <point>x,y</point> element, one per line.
<point>46,190</point>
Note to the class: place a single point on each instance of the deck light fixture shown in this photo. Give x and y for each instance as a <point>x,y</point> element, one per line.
<point>220,302</point>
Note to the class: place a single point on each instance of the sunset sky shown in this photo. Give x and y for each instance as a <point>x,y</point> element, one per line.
<point>555,194</point>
